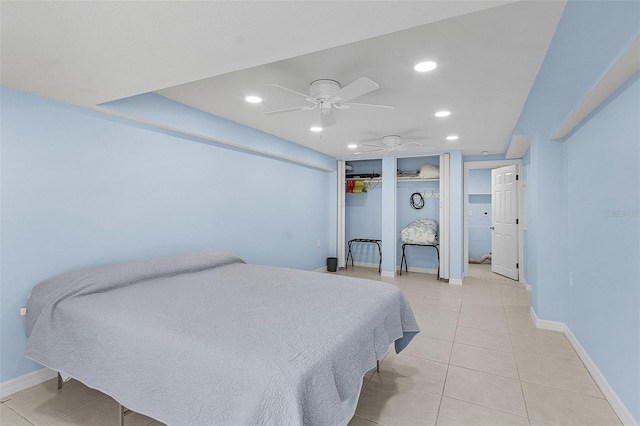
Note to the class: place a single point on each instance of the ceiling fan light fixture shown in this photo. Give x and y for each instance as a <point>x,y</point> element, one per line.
<point>425,66</point>
<point>252,99</point>
<point>316,129</point>
<point>452,137</point>
<point>441,114</point>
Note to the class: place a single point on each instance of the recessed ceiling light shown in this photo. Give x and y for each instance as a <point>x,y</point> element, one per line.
<point>485,152</point>
<point>442,113</point>
<point>316,129</point>
<point>452,138</point>
<point>425,66</point>
<point>253,99</point>
<point>352,146</point>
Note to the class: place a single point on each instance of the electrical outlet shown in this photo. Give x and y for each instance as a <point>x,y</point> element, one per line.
<point>23,311</point>
<point>318,243</point>
<point>470,213</point>
<point>571,279</point>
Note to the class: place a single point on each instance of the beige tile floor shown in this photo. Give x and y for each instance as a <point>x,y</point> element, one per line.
<point>479,360</point>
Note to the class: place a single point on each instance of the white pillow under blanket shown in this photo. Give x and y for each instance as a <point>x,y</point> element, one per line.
<point>423,231</point>
<point>429,171</point>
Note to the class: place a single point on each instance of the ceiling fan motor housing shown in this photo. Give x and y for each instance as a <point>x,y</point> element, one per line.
<point>324,89</point>
<point>392,141</point>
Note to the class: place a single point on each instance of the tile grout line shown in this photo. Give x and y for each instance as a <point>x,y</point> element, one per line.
<point>446,375</point>
<point>79,409</point>
<point>18,414</point>
<point>524,400</point>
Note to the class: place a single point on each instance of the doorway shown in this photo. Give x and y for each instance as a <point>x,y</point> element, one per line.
<point>480,216</point>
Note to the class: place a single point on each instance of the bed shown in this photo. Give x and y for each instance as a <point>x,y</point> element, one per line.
<point>207,339</point>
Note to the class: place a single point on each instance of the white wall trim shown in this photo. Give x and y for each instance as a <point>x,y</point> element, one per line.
<point>388,274</point>
<point>431,271</point>
<point>323,269</point>
<point>545,324</point>
<point>606,389</point>
<point>601,381</point>
<point>364,264</point>
<point>422,270</point>
<point>23,382</point>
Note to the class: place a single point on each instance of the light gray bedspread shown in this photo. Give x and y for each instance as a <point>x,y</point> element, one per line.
<point>205,339</point>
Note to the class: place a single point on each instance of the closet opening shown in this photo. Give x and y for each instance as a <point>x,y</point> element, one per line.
<point>418,215</point>
<point>376,209</point>
<point>363,214</point>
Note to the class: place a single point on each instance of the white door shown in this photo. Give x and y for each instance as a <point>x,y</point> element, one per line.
<point>504,213</point>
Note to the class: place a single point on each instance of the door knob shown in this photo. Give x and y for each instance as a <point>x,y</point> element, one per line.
<point>492,228</point>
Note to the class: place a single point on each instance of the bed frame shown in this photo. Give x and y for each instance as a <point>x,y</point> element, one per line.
<point>122,411</point>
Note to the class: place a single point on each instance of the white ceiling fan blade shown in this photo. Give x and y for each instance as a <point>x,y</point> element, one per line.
<point>367,152</point>
<point>327,118</point>
<point>358,88</point>
<point>411,143</point>
<point>372,145</point>
<point>367,105</point>
<point>307,97</point>
<point>285,110</point>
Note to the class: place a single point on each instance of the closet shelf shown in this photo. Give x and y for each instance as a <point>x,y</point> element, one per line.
<point>398,179</point>
<point>373,182</point>
<point>415,179</point>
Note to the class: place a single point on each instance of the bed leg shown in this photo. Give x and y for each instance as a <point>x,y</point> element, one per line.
<point>60,381</point>
<point>120,415</point>
<point>377,366</point>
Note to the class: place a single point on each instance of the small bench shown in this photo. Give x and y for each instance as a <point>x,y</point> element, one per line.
<point>364,240</point>
<point>403,261</point>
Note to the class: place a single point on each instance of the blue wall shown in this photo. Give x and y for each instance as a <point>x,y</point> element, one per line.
<point>81,188</point>
<point>603,226</point>
<point>583,232</point>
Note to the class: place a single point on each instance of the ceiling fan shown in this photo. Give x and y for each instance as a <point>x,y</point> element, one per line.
<point>327,95</point>
<point>390,143</point>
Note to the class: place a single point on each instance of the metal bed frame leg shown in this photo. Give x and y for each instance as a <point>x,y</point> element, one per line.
<point>60,381</point>
<point>377,366</point>
<point>122,411</point>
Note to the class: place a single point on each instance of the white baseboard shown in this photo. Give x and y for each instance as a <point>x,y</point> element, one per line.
<point>606,389</point>
<point>23,382</point>
<point>545,324</point>
<point>455,281</point>
<point>524,283</point>
<point>423,270</point>
<point>389,274</point>
<point>323,269</point>
<point>601,381</point>
<point>365,264</point>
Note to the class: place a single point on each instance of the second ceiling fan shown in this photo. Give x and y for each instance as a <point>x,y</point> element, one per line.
<point>327,95</point>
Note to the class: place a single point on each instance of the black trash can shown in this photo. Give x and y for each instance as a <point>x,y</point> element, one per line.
<point>332,264</point>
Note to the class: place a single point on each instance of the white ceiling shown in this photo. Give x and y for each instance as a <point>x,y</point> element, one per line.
<point>210,55</point>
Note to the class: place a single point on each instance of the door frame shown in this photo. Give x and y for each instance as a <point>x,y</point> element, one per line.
<point>494,164</point>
